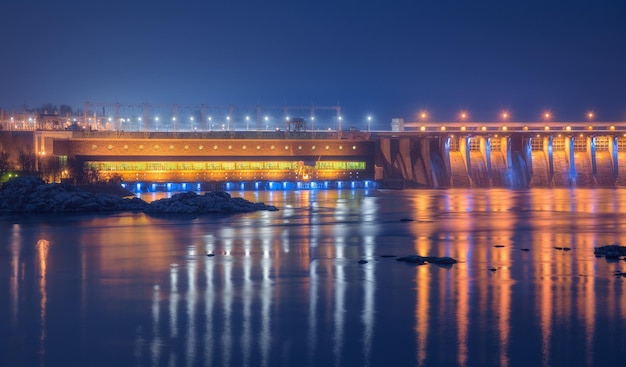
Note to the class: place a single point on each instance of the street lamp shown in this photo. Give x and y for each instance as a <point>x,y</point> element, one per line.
<point>210,125</point>
<point>369,122</point>
<point>247,122</point>
<point>157,123</point>
<point>547,115</point>
<point>228,122</point>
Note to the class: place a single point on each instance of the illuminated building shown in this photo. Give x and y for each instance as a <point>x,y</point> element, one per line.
<point>189,159</point>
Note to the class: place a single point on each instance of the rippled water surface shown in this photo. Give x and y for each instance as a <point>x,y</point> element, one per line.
<point>285,288</point>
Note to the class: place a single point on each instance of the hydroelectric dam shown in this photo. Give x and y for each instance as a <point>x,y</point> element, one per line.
<point>511,154</point>
<point>411,154</point>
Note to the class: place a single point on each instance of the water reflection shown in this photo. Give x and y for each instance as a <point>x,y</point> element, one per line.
<point>15,272</point>
<point>42,256</point>
<point>286,287</point>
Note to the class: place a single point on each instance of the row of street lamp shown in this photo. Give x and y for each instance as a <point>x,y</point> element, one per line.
<point>504,115</point>
<point>226,126</point>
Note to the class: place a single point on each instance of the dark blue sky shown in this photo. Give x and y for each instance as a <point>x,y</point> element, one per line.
<point>387,58</point>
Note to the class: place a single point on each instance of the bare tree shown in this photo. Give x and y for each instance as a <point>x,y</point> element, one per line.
<point>50,168</point>
<point>48,109</point>
<point>5,164</point>
<point>82,172</point>
<point>27,161</point>
<point>65,110</point>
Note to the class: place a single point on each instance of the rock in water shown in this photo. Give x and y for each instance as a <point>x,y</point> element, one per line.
<point>413,259</point>
<point>421,260</point>
<point>210,202</point>
<point>612,251</point>
<point>444,260</point>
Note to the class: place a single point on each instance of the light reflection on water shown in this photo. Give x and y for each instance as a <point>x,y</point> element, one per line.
<point>285,287</point>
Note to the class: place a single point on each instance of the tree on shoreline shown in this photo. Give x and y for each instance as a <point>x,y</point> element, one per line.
<point>6,165</point>
<point>27,161</point>
<point>50,168</point>
<point>81,172</point>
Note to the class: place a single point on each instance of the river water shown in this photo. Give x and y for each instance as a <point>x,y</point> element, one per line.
<point>286,289</point>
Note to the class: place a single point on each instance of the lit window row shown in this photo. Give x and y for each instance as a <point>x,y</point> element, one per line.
<point>225,166</point>
<point>186,147</point>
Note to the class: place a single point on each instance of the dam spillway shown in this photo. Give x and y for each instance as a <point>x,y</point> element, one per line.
<point>447,155</point>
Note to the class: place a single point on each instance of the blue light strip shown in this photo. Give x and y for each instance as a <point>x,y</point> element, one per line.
<point>250,186</point>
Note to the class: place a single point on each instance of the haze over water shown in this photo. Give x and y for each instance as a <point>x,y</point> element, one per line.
<point>286,288</point>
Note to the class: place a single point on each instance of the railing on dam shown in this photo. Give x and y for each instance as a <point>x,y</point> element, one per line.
<point>504,126</point>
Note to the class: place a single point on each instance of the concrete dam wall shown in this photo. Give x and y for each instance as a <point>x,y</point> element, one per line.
<point>516,160</point>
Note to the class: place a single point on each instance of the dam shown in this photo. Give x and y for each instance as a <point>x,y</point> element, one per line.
<point>411,154</point>
<point>539,154</point>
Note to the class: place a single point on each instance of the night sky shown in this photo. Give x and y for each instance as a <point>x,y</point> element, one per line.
<point>384,58</point>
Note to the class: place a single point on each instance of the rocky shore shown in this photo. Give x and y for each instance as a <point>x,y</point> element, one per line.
<point>33,195</point>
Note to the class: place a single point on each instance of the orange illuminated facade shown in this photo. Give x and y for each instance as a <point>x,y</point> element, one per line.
<point>220,160</point>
